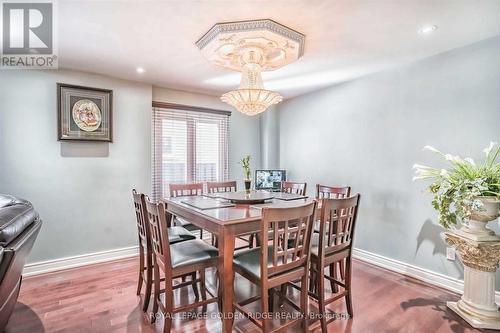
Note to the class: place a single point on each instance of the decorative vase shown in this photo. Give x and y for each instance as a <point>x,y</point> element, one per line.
<point>248,185</point>
<point>476,227</point>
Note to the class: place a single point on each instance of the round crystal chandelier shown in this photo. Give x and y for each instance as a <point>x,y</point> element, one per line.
<point>251,98</point>
<point>251,47</point>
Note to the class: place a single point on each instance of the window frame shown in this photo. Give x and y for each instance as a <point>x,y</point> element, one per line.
<point>186,114</point>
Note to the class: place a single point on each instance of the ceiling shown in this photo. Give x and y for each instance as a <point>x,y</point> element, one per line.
<point>345,39</point>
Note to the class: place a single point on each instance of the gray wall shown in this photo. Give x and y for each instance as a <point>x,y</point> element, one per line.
<point>269,138</point>
<point>82,190</point>
<point>85,201</point>
<point>369,132</point>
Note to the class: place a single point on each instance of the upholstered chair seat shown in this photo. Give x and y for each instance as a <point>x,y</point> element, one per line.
<point>191,252</point>
<point>249,261</point>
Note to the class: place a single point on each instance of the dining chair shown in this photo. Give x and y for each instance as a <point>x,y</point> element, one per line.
<point>176,234</point>
<point>145,251</point>
<point>331,192</point>
<point>293,187</point>
<point>223,187</point>
<point>273,265</point>
<point>287,187</point>
<point>174,261</point>
<point>333,245</point>
<point>183,190</point>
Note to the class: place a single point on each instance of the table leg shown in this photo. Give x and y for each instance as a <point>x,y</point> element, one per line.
<point>226,275</point>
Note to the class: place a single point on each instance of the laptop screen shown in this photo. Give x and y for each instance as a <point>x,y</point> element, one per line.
<point>269,179</point>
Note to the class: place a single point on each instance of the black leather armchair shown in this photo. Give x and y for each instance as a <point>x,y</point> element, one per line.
<point>19,227</point>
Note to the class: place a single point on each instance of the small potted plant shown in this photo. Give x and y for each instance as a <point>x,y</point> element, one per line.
<point>466,191</point>
<point>245,163</point>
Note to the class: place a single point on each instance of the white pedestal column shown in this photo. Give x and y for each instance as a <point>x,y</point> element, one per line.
<point>477,305</point>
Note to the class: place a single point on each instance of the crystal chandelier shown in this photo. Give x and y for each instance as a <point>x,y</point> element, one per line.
<point>251,98</point>
<point>251,47</point>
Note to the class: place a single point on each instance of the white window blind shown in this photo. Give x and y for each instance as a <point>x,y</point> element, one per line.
<point>188,147</point>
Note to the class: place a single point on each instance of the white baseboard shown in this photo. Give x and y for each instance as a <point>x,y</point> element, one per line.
<point>78,261</point>
<point>394,265</point>
<point>419,273</point>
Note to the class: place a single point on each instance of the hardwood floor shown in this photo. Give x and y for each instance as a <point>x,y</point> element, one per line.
<point>101,298</point>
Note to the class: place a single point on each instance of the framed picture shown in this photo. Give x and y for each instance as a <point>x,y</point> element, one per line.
<point>84,114</point>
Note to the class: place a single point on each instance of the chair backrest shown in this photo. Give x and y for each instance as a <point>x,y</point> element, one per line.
<point>286,224</point>
<point>179,190</point>
<point>293,187</point>
<point>331,192</point>
<point>140,216</point>
<point>220,187</point>
<point>337,222</point>
<point>159,233</point>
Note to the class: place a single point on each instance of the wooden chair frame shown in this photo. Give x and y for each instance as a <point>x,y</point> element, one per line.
<point>290,261</point>
<point>145,251</point>
<point>337,223</point>
<point>191,189</point>
<point>179,190</point>
<point>293,187</point>
<point>221,187</point>
<point>157,217</point>
<point>332,192</point>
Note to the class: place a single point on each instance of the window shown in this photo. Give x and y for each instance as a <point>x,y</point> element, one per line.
<point>188,146</point>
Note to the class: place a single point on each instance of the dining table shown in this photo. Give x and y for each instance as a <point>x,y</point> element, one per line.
<point>226,221</point>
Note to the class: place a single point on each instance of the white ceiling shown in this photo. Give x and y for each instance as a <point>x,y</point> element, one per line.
<point>344,39</point>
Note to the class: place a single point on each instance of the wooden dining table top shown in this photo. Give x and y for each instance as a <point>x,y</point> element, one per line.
<point>235,214</point>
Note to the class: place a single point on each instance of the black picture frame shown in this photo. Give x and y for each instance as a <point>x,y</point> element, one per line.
<point>101,100</point>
